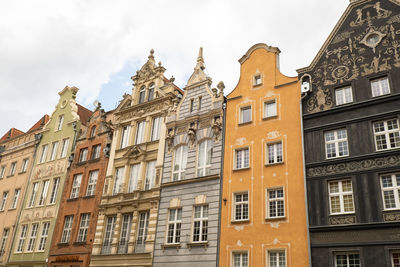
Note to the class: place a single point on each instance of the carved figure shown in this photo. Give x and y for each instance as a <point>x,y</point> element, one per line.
<point>217,128</point>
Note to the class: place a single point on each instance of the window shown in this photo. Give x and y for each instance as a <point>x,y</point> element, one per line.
<point>343,95</point>
<point>336,144</point>
<point>32,239</point>
<point>3,243</point>
<point>43,195</point>
<point>395,255</point>
<point>134,177</point>
<point>95,152</point>
<point>24,166</point>
<point>200,223</point>
<point>245,114</point>
<point>66,233</point>
<point>91,188</point>
<point>125,136</point>
<point>174,226</point>
<point>387,134</point>
<point>347,260</point>
<point>180,160</point>
<point>43,238</point>
<point>270,109</point>
<point>191,105</point>
<point>150,175</point>
<point>341,197</point>
<point>54,148</point>
<point>119,175</point>
<point>83,227</point>
<point>142,232</point>
<point>83,154</point>
<point>140,130</point>
<point>15,199</point>
<point>22,237</point>
<point>12,168</point>
<point>125,232</point>
<point>3,201</point>
<point>64,148</point>
<point>44,154</point>
<point>60,122</point>
<point>241,207</point>
<point>76,184</point>
<point>35,188</point>
<point>204,158</point>
<point>199,106</point>
<point>240,259</point>
<point>390,184</point>
<point>142,94</point>
<point>150,95</point>
<point>155,131</point>
<point>93,131</point>
<point>276,203</point>
<point>257,79</point>
<point>53,195</point>
<point>276,258</point>
<point>2,171</point>
<point>108,235</point>
<point>380,87</point>
<point>242,158</point>
<point>275,154</point>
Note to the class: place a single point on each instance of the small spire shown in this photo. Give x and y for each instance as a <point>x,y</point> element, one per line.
<point>151,56</point>
<point>200,60</point>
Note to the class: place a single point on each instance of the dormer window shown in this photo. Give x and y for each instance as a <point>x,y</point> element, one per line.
<point>60,122</point>
<point>142,94</point>
<point>93,131</point>
<point>150,96</point>
<point>257,80</point>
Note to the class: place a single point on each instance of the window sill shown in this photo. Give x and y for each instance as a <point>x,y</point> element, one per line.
<point>197,244</point>
<point>87,197</point>
<point>240,221</point>
<point>93,160</point>
<point>273,164</point>
<point>72,199</point>
<point>11,209</point>
<point>92,137</point>
<point>80,163</point>
<point>245,123</point>
<point>270,118</point>
<point>338,157</point>
<point>342,214</point>
<point>11,175</point>
<point>168,246</point>
<point>22,172</point>
<point>79,243</point>
<point>241,169</point>
<point>275,218</point>
<point>257,85</point>
<point>62,244</point>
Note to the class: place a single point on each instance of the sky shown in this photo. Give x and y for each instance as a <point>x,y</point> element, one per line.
<point>97,45</point>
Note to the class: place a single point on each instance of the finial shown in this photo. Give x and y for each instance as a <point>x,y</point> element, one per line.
<point>151,54</point>
<point>172,79</point>
<point>200,60</point>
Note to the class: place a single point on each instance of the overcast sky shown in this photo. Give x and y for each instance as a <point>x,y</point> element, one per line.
<point>98,45</point>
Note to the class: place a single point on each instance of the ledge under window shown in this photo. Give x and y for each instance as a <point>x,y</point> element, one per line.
<point>275,218</point>
<point>247,168</point>
<point>197,244</point>
<point>270,118</point>
<point>89,196</point>
<point>72,199</point>
<point>240,221</point>
<point>62,244</point>
<point>273,164</point>
<point>245,123</point>
<point>167,246</point>
<point>79,243</point>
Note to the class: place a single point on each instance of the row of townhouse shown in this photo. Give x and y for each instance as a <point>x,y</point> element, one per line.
<point>283,171</point>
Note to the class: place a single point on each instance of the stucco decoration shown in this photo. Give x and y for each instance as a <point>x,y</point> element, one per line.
<point>217,128</point>
<point>200,199</point>
<point>192,133</point>
<point>391,217</point>
<point>163,107</point>
<point>134,152</point>
<point>170,139</point>
<point>342,220</point>
<point>175,203</point>
<point>273,134</point>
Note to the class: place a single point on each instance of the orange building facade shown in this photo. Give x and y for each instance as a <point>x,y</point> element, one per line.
<point>263,211</point>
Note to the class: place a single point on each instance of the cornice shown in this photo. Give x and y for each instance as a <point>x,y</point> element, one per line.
<point>268,48</point>
<point>192,180</point>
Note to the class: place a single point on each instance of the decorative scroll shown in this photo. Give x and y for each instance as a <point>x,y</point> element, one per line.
<point>342,220</point>
<point>391,217</point>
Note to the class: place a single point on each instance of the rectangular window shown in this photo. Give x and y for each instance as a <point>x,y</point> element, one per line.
<point>395,257</point>
<point>32,200</point>
<point>83,227</point>
<point>245,114</point>
<point>12,168</point>
<point>66,233</point>
<point>95,152</point>
<point>390,184</point>
<point>199,106</point>
<point>347,260</point>
<point>275,154</point>
<point>142,231</point>
<point>43,154</point>
<point>43,237</point>
<point>15,199</point>
<point>3,201</point>
<point>125,136</point>
<point>257,79</point>
<point>270,109</point>
<point>200,223</point>
<point>142,94</point>
<point>32,239</point>
<point>341,197</point>
<point>43,195</point>
<point>24,166</point>
<point>277,258</point>
<point>150,175</point>
<point>276,203</point>
<point>3,243</point>
<point>336,144</point>
<point>125,232</point>
<point>150,95</point>
<point>242,158</point>
<point>91,188</point>
<point>76,186</point>
<point>119,177</point>
<point>108,235</point>
<point>174,226</point>
<point>22,237</point>
<point>180,161</point>
<point>54,190</point>
<point>83,154</point>
<point>54,148</point>
<point>204,158</point>
<point>241,207</point>
<point>134,177</point>
<point>64,148</point>
<point>380,87</point>
<point>2,171</point>
<point>140,132</point>
<point>343,95</point>
<point>155,131</point>
<point>60,122</point>
<point>387,134</point>
<point>191,105</point>
<point>240,259</point>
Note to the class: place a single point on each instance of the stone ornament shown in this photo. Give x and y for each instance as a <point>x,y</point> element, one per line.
<point>342,220</point>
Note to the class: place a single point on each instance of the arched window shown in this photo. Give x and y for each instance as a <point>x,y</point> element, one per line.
<point>93,131</point>
<point>180,160</point>
<point>204,158</point>
<point>150,96</point>
<point>142,93</point>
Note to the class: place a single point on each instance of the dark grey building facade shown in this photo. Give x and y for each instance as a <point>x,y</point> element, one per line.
<point>351,131</point>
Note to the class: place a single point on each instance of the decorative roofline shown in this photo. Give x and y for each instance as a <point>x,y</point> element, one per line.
<point>271,49</point>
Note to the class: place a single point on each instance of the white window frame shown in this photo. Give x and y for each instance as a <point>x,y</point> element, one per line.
<point>275,255</point>
<point>76,185</point>
<point>17,192</point>
<point>275,203</point>
<point>92,182</point>
<point>393,189</point>
<point>83,227</point>
<point>274,112</point>
<point>32,200</point>
<point>24,165</point>
<point>243,258</point>
<point>13,166</point>
<point>174,221</point>
<point>180,162</point>
<point>347,254</point>
<point>143,226</point>
<point>4,200</point>
<point>93,131</point>
<point>156,128</point>
<point>119,180</point>
<point>204,157</point>
<point>387,134</point>
<point>340,145</point>
<point>125,233</point>
<point>54,148</point>
<point>134,175</point>
<point>95,151</point>
<point>4,238</point>
<point>150,175</point>
<point>257,80</point>
<point>2,171</point>
<point>341,195</point>
<point>242,158</point>
<point>108,234</point>
<point>397,252</point>
<point>378,88</point>
<point>83,154</point>
<point>43,195</point>
<point>32,238</point>
<point>44,235</point>
<point>53,196</point>
<point>43,155</point>
<point>241,116</point>
<point>140,132</point>
<point>60,122</point>
<point>125,134</point>
<point>151,91</point>
<point>244,207</point>
<point>344,95</point>
<point>64,148</point>
<point>274,153</point>
<point>66,233</point>
<point>22,237</point>
<point>200,223</point>
<point>142,94</point>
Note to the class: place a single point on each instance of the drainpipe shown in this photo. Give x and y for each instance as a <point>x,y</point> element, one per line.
<point>71,157</point>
